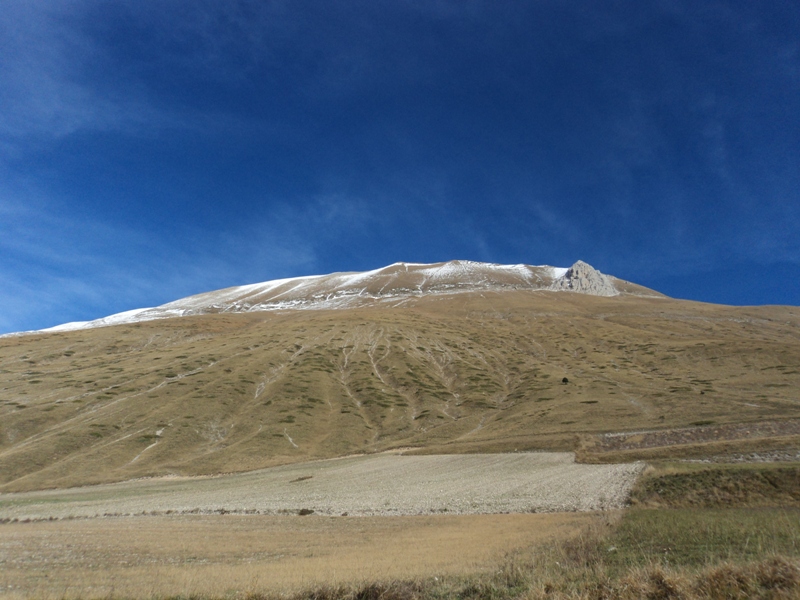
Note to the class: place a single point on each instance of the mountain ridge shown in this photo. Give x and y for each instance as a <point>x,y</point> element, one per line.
<point>390,286</point>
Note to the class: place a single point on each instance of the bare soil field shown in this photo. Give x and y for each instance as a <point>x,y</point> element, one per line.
<point>215,555</point>
<point>385,484</point>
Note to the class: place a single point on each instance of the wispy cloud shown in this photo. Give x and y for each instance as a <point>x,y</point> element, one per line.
<point>40,90</point>
<point>59,79</point>
<point>345,135</point>
<point>57,268</point>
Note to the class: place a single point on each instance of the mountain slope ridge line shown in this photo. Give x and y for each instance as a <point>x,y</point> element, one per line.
<point>388,285</point>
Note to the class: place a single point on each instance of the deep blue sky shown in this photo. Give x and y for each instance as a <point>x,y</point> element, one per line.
<point>151,149</point>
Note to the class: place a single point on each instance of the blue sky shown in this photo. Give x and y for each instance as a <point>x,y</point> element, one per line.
<point>154,149</point>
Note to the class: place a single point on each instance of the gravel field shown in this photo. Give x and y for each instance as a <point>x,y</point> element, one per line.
<point>386,484</point>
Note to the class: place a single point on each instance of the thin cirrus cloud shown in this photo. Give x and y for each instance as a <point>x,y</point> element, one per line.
<point>49,90</point>
<point>82,269</point>
<point>39,94</point>
<point>178,147</point>
<point>79,267</point>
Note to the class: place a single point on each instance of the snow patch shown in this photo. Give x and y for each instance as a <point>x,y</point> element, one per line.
<point>391,286</point>
<point>68,326</point>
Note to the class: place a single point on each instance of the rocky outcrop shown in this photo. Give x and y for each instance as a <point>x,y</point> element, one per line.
<point>585,279</point>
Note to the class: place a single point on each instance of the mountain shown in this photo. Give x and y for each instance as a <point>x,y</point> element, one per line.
<point>453,357</point>
<point>389,286</point>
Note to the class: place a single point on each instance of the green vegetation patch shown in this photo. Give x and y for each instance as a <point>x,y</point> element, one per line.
<point>759,485</point>
<point>697,537</point>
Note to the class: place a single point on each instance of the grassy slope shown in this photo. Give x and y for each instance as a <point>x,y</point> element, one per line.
<point>687,485</point>
<point>471,372</point>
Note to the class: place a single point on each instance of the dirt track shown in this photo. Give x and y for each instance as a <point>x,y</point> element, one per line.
<point>383,484</point>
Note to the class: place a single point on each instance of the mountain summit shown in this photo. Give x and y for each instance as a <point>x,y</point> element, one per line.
<point>390,286</point>
<point>585,279</point>
<point>393,285</point>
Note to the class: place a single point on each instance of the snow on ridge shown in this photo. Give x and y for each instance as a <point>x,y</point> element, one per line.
<point>408,264</point>
<point>236,292</point>
<point>124,317</point>
<point>351,279</point>
<point>128,316</point>
<point>469,268</point>
<point>71,326</point>
<point>391,284</point>
<point>443,271</point>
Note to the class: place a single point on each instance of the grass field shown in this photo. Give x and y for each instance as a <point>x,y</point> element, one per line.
<point>154,405</point>
<point>448,374</point>
<point>694,531</point>
<point>145,557</point>
<point>642,553</point>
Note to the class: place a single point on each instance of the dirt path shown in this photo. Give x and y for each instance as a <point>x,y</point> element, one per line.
<point>385,484</point>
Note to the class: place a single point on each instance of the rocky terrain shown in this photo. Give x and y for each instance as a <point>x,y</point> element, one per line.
<point>584,279</point>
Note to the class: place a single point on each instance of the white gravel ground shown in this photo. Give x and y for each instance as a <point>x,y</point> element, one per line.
<point>385,484</point>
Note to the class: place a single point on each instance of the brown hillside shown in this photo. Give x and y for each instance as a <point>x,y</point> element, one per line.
<point>445,373</point>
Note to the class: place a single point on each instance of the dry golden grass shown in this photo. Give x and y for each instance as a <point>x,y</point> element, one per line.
<point>142,557</point>
<point>720,546</point>
<point>498,557</point>
<point>447,374</point>
<point>461,373</point>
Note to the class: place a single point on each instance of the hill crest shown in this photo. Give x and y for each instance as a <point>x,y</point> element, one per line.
<point>388,286</point>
